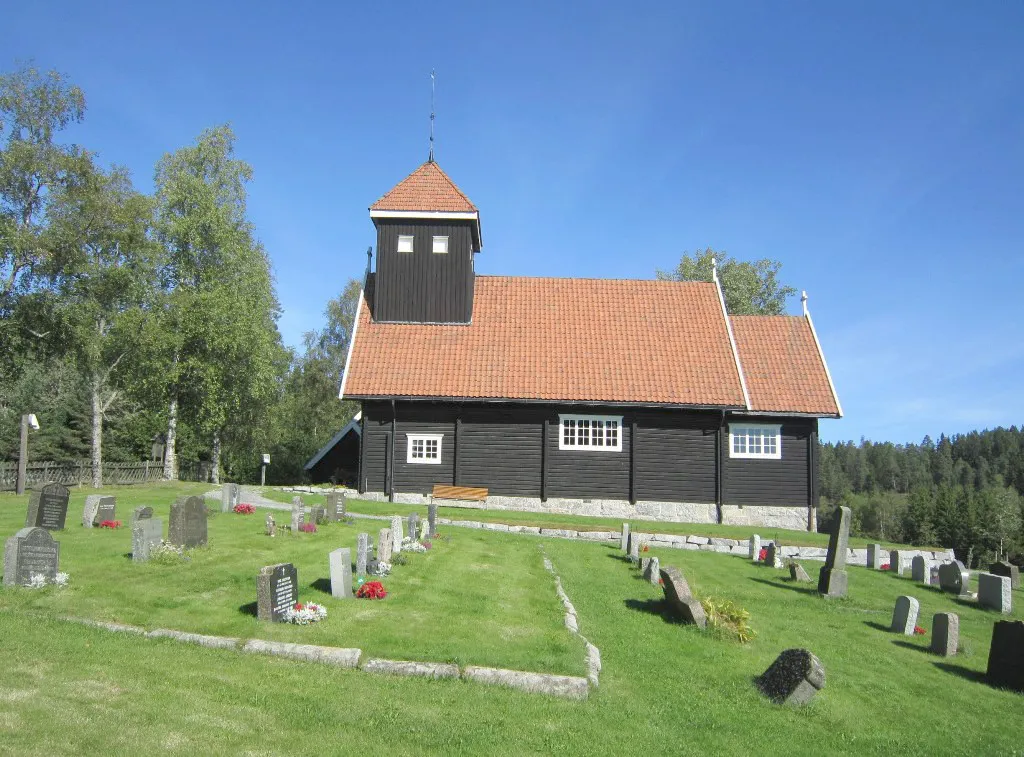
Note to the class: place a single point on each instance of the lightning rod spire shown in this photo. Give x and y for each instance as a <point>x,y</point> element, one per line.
<point>432,78</point>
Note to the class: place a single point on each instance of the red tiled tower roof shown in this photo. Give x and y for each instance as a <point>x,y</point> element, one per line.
<point>428,189</point>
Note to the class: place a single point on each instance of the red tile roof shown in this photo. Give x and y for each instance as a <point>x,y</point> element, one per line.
<point>428,188</point>
<point>782,365</point>
<point>654,342</point>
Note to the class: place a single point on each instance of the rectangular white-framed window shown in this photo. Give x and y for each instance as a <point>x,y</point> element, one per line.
<point>405,242</point>
<point>755,440</point>
<point>440,244</point>
<point>424,449</point>
<point>592,433</point>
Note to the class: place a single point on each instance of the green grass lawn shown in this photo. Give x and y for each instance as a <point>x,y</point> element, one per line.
<point>665,688</point>
<point>579,522</point>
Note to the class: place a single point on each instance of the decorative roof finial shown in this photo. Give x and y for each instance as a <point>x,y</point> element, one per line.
<point>714,268</point>
<point>803,300</point>
<point>432,77</point>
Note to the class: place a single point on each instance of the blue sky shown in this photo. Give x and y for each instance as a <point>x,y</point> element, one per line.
<point>875,149</point>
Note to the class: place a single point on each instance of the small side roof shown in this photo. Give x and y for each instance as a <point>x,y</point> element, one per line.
<point>353,426</point>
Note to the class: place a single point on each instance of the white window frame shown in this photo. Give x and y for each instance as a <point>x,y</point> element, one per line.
<point>754,441</point>
<point>444,243</point>
<point>406,238</point>
<point>425,439</point>
<point>571,434</point>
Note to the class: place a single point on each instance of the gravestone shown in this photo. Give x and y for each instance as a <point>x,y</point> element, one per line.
<point>634,547</point>
<point>362,548</point>
<point>754,546</point>
<point>773,557</point>
<point>797,573</point>
<point>645,563</point>
<point>953,577</point>
<point>141,513</point>
<point>29,552</point>
<point>431,520</point>
<point>1006,655</point>
<point>277,589</point>
<point>1008,569</point>
<point>874,556</point>
<point>318,514</point>
<point>904,615</point>
<point>794,678</point>
<point>335,505</point>
<point>229,497</point>
<point>298,511</point>
<point>48,507</point>
<point>624,538</point>
<point>424,532</point>
<point>396,533</point>
<point>945,633</point>
<point>994,592</point>
<point>146,534</point>
<point>832,577</point>
<point>271,525</point>
<point>919,569</point>
<point>106,510</point>
<point>413,522</point>
<point>187,524</point>
<point>654,571</point>
<point>340,561</point>
<point>681,602</point>
<point>897,561</point>
<point>384,545</point>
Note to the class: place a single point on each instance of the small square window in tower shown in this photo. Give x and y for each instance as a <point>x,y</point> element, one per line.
<point>441,244</point>
<point>405,243</point>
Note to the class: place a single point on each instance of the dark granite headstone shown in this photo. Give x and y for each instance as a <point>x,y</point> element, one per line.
<point>187,525</point>
<point>794,678</point>
<point>1006,655</point>
<point>146,534</point>
<point>335,505</point>
<point>919,569</point>
<point>29,552</point>
<point>277,589</point>
<point>832,577</point>
<point>318,514</point>
<point>1008,569</point>
<point>953,577</point>
<point>141,513</point>
<point>48,507</point>
<point>680,601</point>
<point>106,510</point>
<point>797,573</point>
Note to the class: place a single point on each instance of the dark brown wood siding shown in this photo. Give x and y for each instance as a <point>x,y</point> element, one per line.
<point>424,419</point>
<point>424,286</point>
<point>770,482</point>
<point>675,456</point>
<point>588,474</point>
<point>501,450</point>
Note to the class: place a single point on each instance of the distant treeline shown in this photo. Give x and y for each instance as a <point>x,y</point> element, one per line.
<point>962,491</point>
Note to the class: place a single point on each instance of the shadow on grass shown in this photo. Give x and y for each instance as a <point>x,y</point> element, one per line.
<point>908,645</point>
<point>968,602</point>
<point>960,670</point>
<point>323,585</point>
<point>802,588</point>
<point>877,626</point>
<point>658,607</point>
<point>248,609</point>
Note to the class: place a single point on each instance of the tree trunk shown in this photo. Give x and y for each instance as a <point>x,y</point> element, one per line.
<point>97,434</point>
<point>215,473</point>
<point>170,455</point>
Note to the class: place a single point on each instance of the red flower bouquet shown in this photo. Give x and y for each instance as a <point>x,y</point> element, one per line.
<point>244,509</point>
<point>371,590</point>
<point>110,524</point>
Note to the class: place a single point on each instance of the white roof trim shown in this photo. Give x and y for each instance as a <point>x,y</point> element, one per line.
<point>828,374</point>
<point>732,338</point>
<point>351,344</point>
<point>353,425</point>
<point>455,215</point>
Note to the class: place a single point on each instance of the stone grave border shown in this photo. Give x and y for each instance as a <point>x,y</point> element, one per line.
<point>572,623</point>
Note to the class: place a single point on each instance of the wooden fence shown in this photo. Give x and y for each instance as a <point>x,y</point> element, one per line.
<point>80,473</point>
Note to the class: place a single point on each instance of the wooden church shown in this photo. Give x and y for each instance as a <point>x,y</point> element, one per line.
<point>621,398</point>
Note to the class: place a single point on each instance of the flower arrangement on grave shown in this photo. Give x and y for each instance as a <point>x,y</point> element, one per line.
<point>919,631</point>
<point>409,545</point>
<point>427,545</point>
<point>884,566</point>
<point>110,524</point>
<point>304,614</point>
<point>762,555</point>
<point>39,581</point>
<point>308,528</point>
<point>166,553</point>
<point>381,568</point>
<point>371,590</point>
<point>244,509</point>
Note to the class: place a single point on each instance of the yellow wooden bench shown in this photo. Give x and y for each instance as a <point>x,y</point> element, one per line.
<point>470,493</point>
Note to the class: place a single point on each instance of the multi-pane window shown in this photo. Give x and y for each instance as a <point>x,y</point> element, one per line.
<point>599,433</point>
<point>424,449</point>
<point>440,244</point>
<point>405,242</point>
<point>755,440</point>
